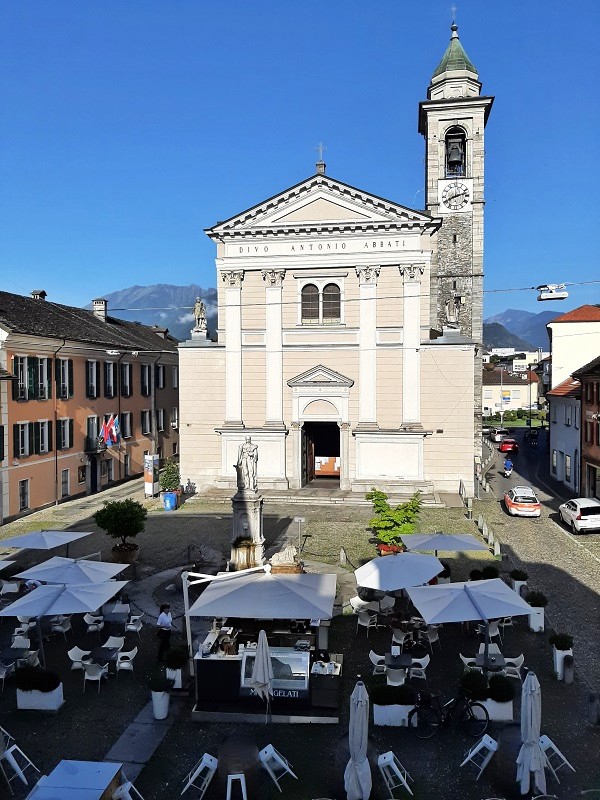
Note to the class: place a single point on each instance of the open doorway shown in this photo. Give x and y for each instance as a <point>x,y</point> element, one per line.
<point>321,454</point>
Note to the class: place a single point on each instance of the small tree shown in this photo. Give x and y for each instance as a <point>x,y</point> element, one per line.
<point>169,477</point>
<point>390,523</point>
<point>122,519</point>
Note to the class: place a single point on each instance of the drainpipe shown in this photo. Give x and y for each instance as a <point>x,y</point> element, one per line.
<point>53,378</point>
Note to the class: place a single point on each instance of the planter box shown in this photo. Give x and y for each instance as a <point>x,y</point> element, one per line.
<point>516,585</point>
<point>444,580</point>
<point>559,659</point>
<point>396,716</point>
<point>160,704</point>
<point>41,701</point>
<point>536,620</point>
<point>498,712</point>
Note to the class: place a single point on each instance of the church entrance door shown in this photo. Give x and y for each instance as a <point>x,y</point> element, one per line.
<point>321,453</point>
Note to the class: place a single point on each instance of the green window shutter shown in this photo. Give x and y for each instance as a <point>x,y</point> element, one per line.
<point>16,453</point>
<point>57,375</point>
<point>87,379</point>
<point>122,378</point>
<point>15,389</point>
<point>49,379</point>
<point>30,444</point>
<point>36,437</point>
<point>70,377</point>
<point>50,442</point>
<point>32,376</point>
<point>98,378</point>
<point>59,440</point>
<point>70,433</point>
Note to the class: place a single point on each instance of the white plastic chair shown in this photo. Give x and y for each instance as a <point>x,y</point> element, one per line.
<point>362,605</point>
<point>386,605</point>
<point>124,792</point>
<point>399,637</point>
<point>134,625</point>
<point>366,620</point>
<point>481,754</point>
<point>554,758</point>
<point>430,636</point>
<point>378,663</point>
<point>21,641</point>
<point>94,672</point>
<point>275,764</point>
<point>76,654</point>
<point>62,627</point>
<point>125,660</point>
<point>31,659</point>
<point>494,630</point>
<point>5,671</point>
<point>393,773</point>
<point>469,663</point>
<point>493,649</point>
<point>201,775</point>
<point>513,667</point>
<point>115,642</point>
<point>395,677</point>
<point>94,623</point>
<point>419,665</point>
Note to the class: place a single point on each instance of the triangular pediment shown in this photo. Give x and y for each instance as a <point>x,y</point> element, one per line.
<point>320,376</point>
<point>322,203</point>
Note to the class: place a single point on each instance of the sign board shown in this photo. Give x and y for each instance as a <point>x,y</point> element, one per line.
<point>299,519</point>
<point>151,485</point>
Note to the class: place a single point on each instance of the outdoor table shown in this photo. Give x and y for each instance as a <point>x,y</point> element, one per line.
<point>238,753</point>
<point>88,780</point>
<point>11,655</point>
<point>403,661</point>
<point>496,662</point>
<point>102,655</point>
<point>117,621</point>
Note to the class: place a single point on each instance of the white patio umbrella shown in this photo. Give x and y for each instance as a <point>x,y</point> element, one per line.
<point>531,760</point>
<point>72,571</point>
<point>4,564</point>
<point>467,601</point>
<point>44,540</point>
<point>54,599</point>
<point>398,571</point>
<point>357,775</point>
<point>448,542</point>
<point>261,679</point>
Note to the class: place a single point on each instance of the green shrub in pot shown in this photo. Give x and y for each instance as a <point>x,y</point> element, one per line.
<point>518,575</point>
<point>158,681</point>
<point>562,641</point>
<point>490,572</point>
<point>501,689</point>
<point>176,658</point>
<point>406,695</point>
<point>475,575</point>
<point>537,599</point>
<point>474,684</point>
<point>384,695</point>
<point>29,679</point>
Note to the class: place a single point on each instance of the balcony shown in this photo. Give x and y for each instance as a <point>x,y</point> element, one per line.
<point>94,444</point>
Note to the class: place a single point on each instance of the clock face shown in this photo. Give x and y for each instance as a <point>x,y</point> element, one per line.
<point>455,196</point>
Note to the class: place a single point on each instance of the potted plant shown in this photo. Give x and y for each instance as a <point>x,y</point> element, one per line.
<point>38,689</point>
<point>499,700</point>
<point>518,578</point>
<point>474,684</point>
<point>392,704</point>
<point>170,483</point>
<point>445,574</point>
<point>176,661</point>
<point>122,519</point>
<point>562,645</point>
<point>536,618</point>
<point>390,522</point>
<point>489,572</point>
<point>160,686</point>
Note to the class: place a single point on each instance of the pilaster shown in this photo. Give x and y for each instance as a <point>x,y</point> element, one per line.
<point>273,279</point>
<point>411,353</point>
<point>233,347</point>
<point>367,341</point>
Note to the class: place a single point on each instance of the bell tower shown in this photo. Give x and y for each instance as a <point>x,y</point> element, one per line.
<point>453,120</point>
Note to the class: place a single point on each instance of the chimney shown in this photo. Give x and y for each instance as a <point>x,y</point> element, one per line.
<point>39,294</point>
<point>99,306</point>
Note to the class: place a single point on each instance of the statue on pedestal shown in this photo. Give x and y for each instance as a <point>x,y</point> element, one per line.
<point>246,466</point>
<point>199,315</point>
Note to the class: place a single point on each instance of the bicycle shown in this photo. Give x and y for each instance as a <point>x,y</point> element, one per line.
<point>429,715</point>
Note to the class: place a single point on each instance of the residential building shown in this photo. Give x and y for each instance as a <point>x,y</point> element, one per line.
<point>564,421</point>
<point>589,375</point>
<point>574,341</point>
<point>350,326</point>
<point>505,391</point>
<point>74,370</point>
<point>523,361</point>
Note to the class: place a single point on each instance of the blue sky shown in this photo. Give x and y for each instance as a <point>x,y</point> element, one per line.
<point>128,127</point>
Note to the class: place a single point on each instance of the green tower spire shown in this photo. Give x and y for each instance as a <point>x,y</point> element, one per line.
<point>455,57</point>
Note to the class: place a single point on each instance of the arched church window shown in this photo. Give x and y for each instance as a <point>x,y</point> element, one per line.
<point>310,303</point>
<point>331,303</point>
<point>456,152</point>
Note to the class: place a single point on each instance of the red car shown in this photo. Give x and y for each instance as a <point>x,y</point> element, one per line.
<point>508,446</point>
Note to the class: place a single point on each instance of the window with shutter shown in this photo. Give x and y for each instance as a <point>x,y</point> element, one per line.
<point>70,384</point>
<point>32,370</point>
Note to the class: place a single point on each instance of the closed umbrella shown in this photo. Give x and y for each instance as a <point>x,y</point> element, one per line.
<point>44,540</point>
<point>261,679</point>
<point>531,759</point>
<point>448,542</point>
<point>72,571</point>
<point>398,571</point>
<point>357,775</point>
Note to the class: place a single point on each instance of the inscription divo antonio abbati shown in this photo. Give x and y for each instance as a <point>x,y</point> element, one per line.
<point>315,247</point>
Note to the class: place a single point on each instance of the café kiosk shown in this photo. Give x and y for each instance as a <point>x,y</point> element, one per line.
<point>294,611</point>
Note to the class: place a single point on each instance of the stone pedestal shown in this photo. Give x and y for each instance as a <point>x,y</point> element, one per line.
<point>247,548</point>
<point>200,336</point>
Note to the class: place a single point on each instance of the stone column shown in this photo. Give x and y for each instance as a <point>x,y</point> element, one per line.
<point>411,343</point>
<point>233,347</point>
<point>273,348</point>
<point>344,455</point>
<point>296,478</point>
<point>367,342</point>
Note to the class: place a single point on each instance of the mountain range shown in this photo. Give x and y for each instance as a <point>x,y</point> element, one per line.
<point>171,307</point>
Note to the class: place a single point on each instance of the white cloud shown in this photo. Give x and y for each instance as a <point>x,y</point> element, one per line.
<point>187,318</point>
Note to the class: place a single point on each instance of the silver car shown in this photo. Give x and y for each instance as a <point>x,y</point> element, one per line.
<point>497,434</point>
<point>581,514</point>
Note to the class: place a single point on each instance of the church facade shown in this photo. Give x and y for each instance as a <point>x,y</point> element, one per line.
<point>350,326</point>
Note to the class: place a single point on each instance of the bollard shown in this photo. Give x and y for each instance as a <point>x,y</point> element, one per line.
<point>497,549</point>
<point>593,708</point>
<point>568,669</point>
<point>480,521</point>
<point>484,531</point>
<point>469,508</point>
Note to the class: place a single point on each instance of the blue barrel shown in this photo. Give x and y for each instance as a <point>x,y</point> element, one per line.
<point>169,501</point>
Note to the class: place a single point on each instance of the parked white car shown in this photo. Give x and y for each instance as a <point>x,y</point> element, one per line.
<point>497,434</point>
<point>581,514</point>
